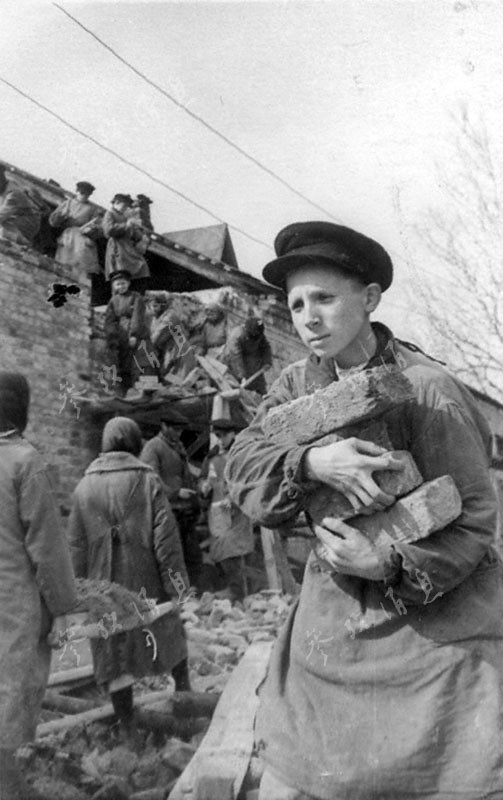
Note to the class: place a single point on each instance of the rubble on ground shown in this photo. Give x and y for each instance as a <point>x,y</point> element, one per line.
<point>100,762</point>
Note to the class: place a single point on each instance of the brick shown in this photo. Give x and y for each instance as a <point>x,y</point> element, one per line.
<point>361,397</point>
<point>425,510</point>
<point>327,502</point>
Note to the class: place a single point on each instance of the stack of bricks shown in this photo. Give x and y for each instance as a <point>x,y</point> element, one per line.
<point>353,408</point>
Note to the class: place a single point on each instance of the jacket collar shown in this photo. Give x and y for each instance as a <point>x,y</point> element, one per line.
<point>116,461</point>
<point>321,372</point>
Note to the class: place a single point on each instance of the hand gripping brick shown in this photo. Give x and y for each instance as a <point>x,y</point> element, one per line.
<point>328,502</point>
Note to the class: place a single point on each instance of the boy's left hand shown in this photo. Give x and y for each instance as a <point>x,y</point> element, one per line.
<point>350,552</point>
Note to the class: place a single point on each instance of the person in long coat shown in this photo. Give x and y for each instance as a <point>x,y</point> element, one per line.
<point>121,529</point>
<point>231,532</point>
<point>81,228</point>
<point>387,681</point>
<point>37,586</point>
<point>19,219</point>
<point>166,454</point>
<point>124,244</point>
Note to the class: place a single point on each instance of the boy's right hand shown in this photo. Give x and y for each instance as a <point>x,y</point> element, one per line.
<point>348,466</point>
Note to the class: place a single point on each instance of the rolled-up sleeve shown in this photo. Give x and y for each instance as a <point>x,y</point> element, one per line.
<point>264,477</point>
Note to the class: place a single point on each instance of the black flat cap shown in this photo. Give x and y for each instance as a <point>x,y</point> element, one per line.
<point>85,187</point>
<point>308,243</point>
<point>121,273</point>
<point>122,198</point>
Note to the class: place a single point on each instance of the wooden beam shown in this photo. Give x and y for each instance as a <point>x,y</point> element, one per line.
<point>218,768</point>
<point>271,567</point>
<point>105,711</point>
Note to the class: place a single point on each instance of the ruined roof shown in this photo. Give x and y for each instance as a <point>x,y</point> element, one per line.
<point>213,241</point>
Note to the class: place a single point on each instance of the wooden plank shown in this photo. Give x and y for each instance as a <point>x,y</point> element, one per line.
<point>223,382</point>
<point>273,576</point>
<point>288,582</point>
<point>217,770</point>
<point>95,714</point>
<point>69,675</point>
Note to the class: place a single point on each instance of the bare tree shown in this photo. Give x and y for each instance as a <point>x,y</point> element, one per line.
<point>464,240</point>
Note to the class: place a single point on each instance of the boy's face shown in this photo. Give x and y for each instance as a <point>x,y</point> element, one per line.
<point>120,206</point>
<point>121,285</point>
<point>330,311</point>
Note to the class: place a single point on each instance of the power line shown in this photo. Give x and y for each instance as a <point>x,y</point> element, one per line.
<point>223,137</point>
<point>130,163</point>
<point>197,117</point>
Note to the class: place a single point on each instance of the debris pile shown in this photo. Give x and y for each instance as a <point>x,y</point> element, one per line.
<point>96,759</point>
<point>219,633</point>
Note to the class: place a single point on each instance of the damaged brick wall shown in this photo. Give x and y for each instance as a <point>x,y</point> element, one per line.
<point>50,346</point>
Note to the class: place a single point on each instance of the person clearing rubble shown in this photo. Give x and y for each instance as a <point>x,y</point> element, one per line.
<point>122,529</point>
<point>37,585</point>
<point>386,681</point>
<point>231,532</point>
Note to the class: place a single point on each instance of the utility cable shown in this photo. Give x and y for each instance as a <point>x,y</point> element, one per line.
<point>131,163</point>
<point>222,136</point>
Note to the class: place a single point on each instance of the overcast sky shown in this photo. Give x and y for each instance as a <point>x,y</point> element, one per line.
<point>349,101</point>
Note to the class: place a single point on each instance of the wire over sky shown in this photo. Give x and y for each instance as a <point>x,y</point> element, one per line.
<point>197,117</point>
<point>130,163</point>
<point>169,96</point>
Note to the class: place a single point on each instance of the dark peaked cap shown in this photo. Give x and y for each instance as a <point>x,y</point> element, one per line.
<point>307,243</point>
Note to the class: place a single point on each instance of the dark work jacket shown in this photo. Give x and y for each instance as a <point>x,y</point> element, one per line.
<point>377,692</point>
<point>119,492</point>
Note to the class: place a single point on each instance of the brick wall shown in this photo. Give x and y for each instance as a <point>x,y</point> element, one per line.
<point>50,346</point>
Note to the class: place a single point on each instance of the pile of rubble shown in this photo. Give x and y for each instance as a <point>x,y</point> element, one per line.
<point>94,760</point>
<point>218,633</point>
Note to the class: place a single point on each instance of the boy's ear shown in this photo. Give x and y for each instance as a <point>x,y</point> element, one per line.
<point>373,297</point>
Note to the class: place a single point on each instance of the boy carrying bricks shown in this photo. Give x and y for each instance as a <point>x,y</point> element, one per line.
<point>388,455</point>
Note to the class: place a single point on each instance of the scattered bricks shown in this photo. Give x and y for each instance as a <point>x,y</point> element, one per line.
<point>425,510</point>
<point>177,754</point>
<point>327,502</point>
<point>365,395</point>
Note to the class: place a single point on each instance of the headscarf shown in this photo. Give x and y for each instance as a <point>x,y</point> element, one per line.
<point>14,401</point>
<point>121,434</point>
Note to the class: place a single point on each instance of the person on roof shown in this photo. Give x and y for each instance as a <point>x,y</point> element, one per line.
<point>124,233</point>
<point>80,225</point>
<point>19,219</point>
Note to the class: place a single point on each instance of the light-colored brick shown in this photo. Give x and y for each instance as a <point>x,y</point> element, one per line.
<point>356,399</point>
<point>328,502</point>
<point>427,509</point>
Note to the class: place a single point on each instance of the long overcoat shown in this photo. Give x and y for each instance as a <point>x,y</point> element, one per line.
<point>380,692</point>
<point>75,247</point>
<point>122,529</point>
<point>121,252</point>
<point>36,585</point>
